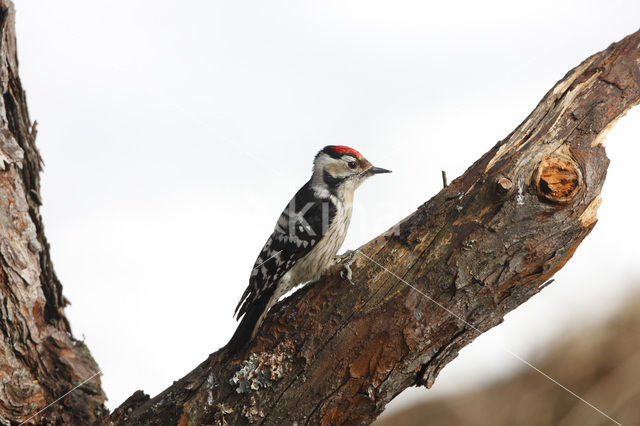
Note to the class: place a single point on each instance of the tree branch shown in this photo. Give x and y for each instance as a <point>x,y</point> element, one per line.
<point>39,358</point>
<point>335,353</point>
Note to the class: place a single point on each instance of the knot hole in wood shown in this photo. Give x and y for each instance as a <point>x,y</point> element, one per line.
<point>558,178</point>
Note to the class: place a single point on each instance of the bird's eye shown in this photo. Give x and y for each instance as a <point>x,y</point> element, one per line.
<point>352,164</point>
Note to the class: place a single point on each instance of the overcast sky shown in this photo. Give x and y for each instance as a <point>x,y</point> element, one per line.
<point>175,132</point>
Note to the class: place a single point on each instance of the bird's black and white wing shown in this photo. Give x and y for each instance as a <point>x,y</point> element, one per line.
<point>299,228</point>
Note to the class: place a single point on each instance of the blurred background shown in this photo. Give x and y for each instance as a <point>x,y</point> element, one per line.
<point>175,132</point>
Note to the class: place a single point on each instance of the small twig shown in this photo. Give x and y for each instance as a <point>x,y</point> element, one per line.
<point>444,179</point>
<point>546,283</point>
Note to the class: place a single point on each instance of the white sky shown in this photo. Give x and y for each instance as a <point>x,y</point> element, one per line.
<point>175,132</point>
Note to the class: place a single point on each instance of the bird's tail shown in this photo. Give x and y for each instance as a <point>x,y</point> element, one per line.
<point>248,326</point>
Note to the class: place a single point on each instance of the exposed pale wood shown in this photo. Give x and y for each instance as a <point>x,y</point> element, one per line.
<point>334,353</point>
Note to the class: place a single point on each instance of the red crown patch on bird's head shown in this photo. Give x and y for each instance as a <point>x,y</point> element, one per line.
<point>341,149</point>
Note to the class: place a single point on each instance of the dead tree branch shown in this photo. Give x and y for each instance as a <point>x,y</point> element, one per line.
<point>334,353</point>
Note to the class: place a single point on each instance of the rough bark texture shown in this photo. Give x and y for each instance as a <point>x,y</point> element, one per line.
<point>600,363</point>
<point>39,358</point>
<point>335,353</point>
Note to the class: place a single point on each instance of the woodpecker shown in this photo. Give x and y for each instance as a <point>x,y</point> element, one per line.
<point>306,237</point>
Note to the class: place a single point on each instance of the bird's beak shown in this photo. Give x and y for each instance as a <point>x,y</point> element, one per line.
<point>375,170</point>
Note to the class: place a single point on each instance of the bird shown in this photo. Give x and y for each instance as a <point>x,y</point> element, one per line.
<point>306,238</point>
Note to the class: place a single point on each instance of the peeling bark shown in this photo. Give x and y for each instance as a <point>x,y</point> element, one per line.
<point>334,353</point>
<point>39,358</point>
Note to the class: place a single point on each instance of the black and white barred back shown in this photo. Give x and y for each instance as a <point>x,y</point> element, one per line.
<point>302,224</point>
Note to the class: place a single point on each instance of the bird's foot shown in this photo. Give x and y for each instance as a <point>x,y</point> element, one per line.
<point>345,265</point>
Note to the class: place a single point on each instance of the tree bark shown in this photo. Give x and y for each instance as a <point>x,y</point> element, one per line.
<point>332,352</point>
<point>600,363</point>
<point>336,353</point>
<point>40,360</point>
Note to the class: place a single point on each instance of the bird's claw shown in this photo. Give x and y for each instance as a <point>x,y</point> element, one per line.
<point>346,273</point>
